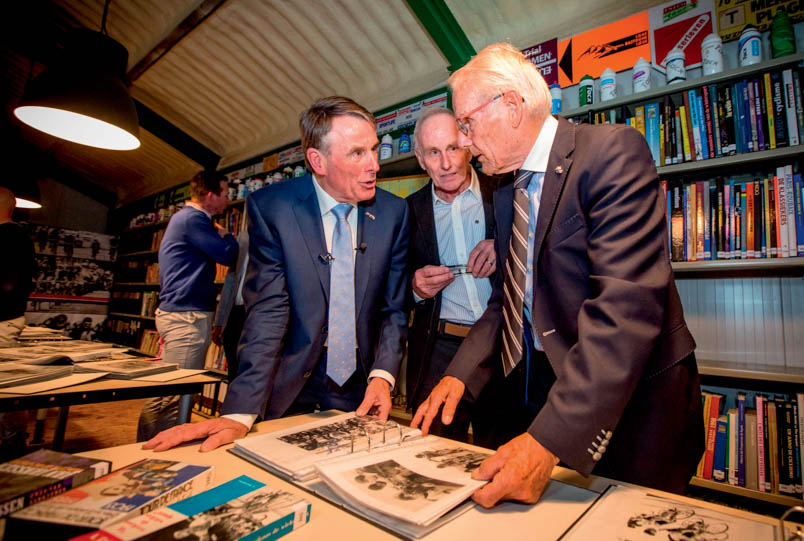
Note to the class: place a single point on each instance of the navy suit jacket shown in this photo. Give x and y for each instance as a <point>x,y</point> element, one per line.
<point>286,294</point>
<point>607,312</point>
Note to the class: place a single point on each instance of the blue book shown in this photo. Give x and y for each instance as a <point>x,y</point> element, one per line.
<point>739,117</point>
<point>242,508</point>
<point>721,446</point>
<point>695,144</point>
<point>652,131</point>
<point>745,103</point>
<point>702,126</point>
<point>684,215</point>
<point>713,105</point>
<point>798,200</point>
<point>741,439</point>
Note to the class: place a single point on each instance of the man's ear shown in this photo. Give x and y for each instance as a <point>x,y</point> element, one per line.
<point>318,161</point>
<point>515,106</point>
<point>419,157</point>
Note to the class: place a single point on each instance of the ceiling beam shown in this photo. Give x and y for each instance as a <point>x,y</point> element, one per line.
<point>437,19</point>
<point>176,138</point>
<point>189,23</point>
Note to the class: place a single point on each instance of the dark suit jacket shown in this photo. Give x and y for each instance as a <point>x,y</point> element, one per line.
<point>606,311</point>
<point>424,251</point>
<point>287,292</point>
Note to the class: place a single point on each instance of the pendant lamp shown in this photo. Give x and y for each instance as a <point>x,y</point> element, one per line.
<point>83,96</point>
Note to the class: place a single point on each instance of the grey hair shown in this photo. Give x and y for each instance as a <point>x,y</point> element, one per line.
<point>501,67</point>
<point>428,113</point>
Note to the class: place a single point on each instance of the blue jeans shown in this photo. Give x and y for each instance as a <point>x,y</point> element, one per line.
<point>186,337</point>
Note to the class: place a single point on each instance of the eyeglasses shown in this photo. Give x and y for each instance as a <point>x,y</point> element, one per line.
<point>463,122</point>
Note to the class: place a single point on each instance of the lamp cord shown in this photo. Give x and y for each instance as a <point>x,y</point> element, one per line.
<point>103,18</point>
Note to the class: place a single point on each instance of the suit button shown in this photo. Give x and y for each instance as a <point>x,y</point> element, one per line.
<point>324,329</point>
<point>596,457</point>
<point>601,449</point>
<point>308,374</point>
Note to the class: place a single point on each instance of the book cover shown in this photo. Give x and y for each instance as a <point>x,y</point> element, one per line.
<point>130,491</point>
<point>687,143</point>
<point>706,402</point>
<point>792,241</point>
<point>42,474</point>
<point>699,109</point>
<point>790,107</point>
<point>127,369</point>
<point>741,439</point>
<point>711,434</point>
<point>242,508</point>
<point>751,478</point>
<point>769,110</point>
<point>693,123</point>
<point>761,435</point>
<point>752,115</point>
<point>721,444</point>
<point>708,122</point>
<point>798,194</point>
<point>798,102</point>
<point>652,130</point>
<point>779,113</point>
<point>726,116</point>
<point>733,463</point>
<point>781,217</point>
<point>715,117</point>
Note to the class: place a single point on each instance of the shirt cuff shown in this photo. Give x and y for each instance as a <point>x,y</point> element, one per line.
<point>243,418</point>
<point>417,298</point>
<point>377,373</point>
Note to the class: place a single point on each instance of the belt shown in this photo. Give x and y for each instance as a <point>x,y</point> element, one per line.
<point>453,329</point>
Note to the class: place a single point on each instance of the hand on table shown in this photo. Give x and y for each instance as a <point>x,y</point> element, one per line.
<point>377,400</point>
<point>219,431</point>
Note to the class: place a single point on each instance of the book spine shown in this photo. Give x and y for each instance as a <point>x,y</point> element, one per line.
<point>798,103</point>
<point>792,241</point>
<point>702,127</point>
<point>766,230</point>
<point>695,125</point>
<point>751,481</point>
<point>769,108</point>
<point>710,436</point>
<point>726,113</point>
<point>719,463</point>
<point>759,222</point>
<point>779,114</point>
<point>781,202</point>
<point>732,415</point>
<point>752,115</point>
<point>761,442</point>
<point>712,89</point>
<point>759,101</point>
<point>685,134</point>
<point>798,192</point>
<point>790,107</point>
<point>741,439</point>
<point>796,458</point>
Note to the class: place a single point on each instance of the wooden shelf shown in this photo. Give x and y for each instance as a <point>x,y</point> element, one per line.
<point>135,254</point>
<point>657,93</point>
<point>731,161</point>
<point>132,316</point>
<point>782,263</point>
<point>146,226</point>
<point>236,202</point>
<point>780,499</point>
<point>751,371</point>
<point>152,284</point>
<point>216,371</point>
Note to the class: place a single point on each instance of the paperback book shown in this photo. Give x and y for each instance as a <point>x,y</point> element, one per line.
<point>292,453</point>
<point>123,494</point>
<point>42,474</point>
<point>126,368</point>
<point>242,508</point>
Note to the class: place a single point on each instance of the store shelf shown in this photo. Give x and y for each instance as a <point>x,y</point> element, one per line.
<point>135,284</point>
<point>779,499</point>
<point>659,92</point>
<point>751,371</point>
<point>135,254</point>
<point>764,265</point>
<point>146,226</point>
<point>731,161</point>
<point>236,202</point>
<point>132,316</point>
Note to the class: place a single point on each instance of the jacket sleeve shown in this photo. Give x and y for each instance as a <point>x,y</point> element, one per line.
<point>202,235</point>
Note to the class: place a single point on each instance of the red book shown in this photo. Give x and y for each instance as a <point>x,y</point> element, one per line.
<point>711,432</point>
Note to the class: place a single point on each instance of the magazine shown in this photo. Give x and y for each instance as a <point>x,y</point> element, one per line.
<point>293,452</point>
<point>125,493</point>
<point>47,353</point>
<point>415,482</point>
<point>126,368</point>
<point>12,373</point>
<point>635,513</point>
<point>238,509</point>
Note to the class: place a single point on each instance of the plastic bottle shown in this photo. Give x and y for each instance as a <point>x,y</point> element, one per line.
<point>712,54</point>
<point>608,85</point>
<point>386,146</point>
<point>586,91</point>
<point>404,142</point>
<point>641,75</point>
<point>675,66</point>
<point>750,46</point>
<point>555,92</point>
<point>782,36</point>
<point>300,171</point>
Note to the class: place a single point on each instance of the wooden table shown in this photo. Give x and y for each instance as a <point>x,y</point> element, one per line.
<point>327,521</point>
<point>105,390</point>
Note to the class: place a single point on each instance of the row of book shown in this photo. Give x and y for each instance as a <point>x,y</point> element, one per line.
<point>232,220</point>
<point>736,219</point>
<point>216,358</point>
<point>150,300</point>
<point>759,113</point>
<point>156,239</point>
<point>125,331</point>
<point>152,273</point>
<point>208,402</point>
<point>759,447</point>
<point>53,495</point>
<point>149,343</point>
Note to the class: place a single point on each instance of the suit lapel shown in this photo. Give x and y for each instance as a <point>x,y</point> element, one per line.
<point>365,223</point>
<point>558,166</point>
<point>426,218</point>
<point>504,215</point>
<point>308,216</point>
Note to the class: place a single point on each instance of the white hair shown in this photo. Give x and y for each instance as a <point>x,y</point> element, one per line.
<point>501,67</point>
<point>431,112</point>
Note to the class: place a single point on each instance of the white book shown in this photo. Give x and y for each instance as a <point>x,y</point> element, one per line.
<point>781,216</point>
<point>800,402</point>
<point>293,452</point>
<point>790,106</point>
<point>732,447</point>
<point>791,210</point>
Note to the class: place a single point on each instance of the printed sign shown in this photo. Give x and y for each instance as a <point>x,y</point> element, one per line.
<point>545,57</point>
<point>617,46</point>
<point>681,24</point>
<point>733,15</point>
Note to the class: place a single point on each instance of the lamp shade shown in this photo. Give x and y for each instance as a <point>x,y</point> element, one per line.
<point>83,96</point>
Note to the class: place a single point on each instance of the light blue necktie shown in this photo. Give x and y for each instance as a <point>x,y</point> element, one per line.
<point>341,342</point>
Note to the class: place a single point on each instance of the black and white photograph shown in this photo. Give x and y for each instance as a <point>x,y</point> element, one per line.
<point>464,460</point>
<point>396,484</point>
<point>73,244</point>
<point>327,438</point>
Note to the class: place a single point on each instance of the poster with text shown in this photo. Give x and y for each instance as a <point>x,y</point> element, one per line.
<point>682,25</point>
<point>734,15</point>
<point>545,57</point>
<point>617,46</point>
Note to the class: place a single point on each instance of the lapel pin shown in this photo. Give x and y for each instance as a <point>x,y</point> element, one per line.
<point>370,215</point>
<point>559,170</point>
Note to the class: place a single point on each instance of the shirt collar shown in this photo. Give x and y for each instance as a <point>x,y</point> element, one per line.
<point>325,201</point>
<point>540,152</point>
<point>199,207</point>
<point>474,187</point>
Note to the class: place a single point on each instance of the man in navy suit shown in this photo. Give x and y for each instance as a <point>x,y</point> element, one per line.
<point>290,314</point>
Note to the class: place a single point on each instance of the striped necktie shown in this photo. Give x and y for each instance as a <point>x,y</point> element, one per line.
<point>341,342</point>
<point>515,271</point>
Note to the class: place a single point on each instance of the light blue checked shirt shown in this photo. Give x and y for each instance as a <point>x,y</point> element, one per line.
<point>536,161</point>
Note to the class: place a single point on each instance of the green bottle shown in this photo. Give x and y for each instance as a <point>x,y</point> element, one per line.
<point>782,36</point>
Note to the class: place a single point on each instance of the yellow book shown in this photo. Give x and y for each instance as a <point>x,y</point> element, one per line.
<point>682,113</point>
<point>661,143</point>
<point>639,115</point>
<point>769,104</point>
